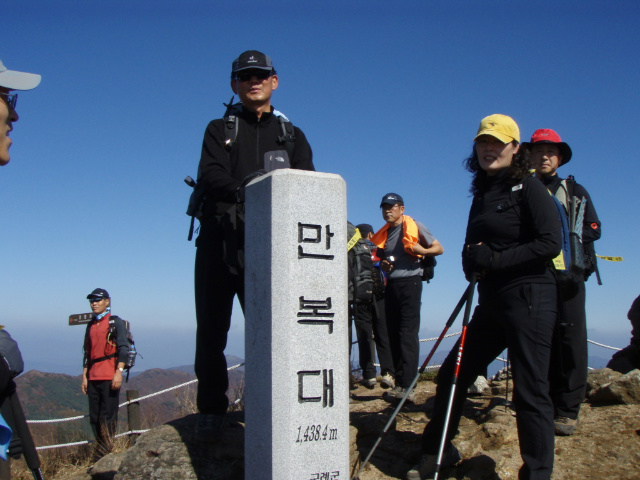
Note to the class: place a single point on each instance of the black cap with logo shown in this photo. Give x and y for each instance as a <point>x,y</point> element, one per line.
<point>98,293</point>
<point>392,199</point>
<point>250,60</point>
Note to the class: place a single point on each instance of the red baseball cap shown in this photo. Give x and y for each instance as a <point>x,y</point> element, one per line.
<point>546,135</point>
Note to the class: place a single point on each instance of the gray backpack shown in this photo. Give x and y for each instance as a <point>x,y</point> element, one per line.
<point>10,353</point>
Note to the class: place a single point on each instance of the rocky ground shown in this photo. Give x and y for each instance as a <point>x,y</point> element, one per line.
<point>606,445</point>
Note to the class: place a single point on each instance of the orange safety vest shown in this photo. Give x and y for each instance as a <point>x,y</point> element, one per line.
<point>409,235</point>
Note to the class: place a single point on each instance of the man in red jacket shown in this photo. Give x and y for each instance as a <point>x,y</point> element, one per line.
<point>105,353</point>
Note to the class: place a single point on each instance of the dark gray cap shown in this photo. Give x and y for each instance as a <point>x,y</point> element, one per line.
<point>250,60</point>
<point>98,293</point>
<point>392,199</point>
<point>364,229</point>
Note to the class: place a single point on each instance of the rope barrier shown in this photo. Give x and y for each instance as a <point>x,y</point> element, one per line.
<point>603,345</point>
<point>73,444</point>
<point>135,400</point>
<point>237,401</point>
<point>435,338</point>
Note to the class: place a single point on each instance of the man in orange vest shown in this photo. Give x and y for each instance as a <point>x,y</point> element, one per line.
<point>402,242</point>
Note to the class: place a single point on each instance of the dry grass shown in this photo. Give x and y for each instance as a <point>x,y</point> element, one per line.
<point>66,462</point>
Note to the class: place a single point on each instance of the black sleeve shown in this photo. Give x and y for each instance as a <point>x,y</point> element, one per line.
<point>122,344</point>
<point>86,347</point>
<point>591,229</point>
<point>5,375</point>
<point>541,216</point>
<point>302,154</point>
<point>215,169</point>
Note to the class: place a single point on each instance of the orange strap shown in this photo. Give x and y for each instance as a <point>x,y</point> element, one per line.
<point>410,235</point>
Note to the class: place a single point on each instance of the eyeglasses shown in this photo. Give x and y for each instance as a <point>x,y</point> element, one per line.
<point>261,75</point>
<point>95,300</point>
<point>10,99</point>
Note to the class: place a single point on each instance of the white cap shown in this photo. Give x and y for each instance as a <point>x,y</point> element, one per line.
<point>13,80</point>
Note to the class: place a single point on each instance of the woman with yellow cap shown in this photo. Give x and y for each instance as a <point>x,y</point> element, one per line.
<point>512,234</point>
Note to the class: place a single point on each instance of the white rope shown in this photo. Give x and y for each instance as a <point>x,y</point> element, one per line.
<point>139,399</point>
<point>136,432</point>
<point>135,400</point>
<point>436,338</point>
<point>86,442</point>
<point>59,420</point>
<point>603,345</point>
<point>74,444</point>
<point>132,432</point>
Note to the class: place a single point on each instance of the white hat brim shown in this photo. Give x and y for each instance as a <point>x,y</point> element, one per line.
<point>19,80</point>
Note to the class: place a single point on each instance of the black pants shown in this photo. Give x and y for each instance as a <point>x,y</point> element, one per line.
<point>360,315</point>
<point>381,337</point>
<point>569,356</point>
<point>103,413</point>
<point>522,319</point>
<point>403,298</point>
<point>215,289</point>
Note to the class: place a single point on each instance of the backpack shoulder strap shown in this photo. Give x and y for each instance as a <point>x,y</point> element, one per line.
<point>515,198</point>
<point>231,123</point>
<point>564,193</point>
<point>353,240</point>
<point>288,136</point>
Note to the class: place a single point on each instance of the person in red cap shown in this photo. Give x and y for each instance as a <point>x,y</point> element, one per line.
<point>568,374</point>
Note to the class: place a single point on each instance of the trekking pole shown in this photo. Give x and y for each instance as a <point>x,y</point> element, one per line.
<point>463,336</point>
<point>19,424</point>
<point>452,319</point>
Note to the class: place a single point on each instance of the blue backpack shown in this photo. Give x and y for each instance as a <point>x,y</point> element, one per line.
<point>569,264</point>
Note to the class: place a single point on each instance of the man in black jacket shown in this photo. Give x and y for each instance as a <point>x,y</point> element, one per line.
<point>225,163</point>
<point>568,373</point>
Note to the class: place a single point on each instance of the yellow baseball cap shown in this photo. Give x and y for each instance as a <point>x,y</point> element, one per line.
<point>502,127</point>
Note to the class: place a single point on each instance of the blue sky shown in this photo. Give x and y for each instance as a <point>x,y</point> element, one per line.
<point>388,94</point>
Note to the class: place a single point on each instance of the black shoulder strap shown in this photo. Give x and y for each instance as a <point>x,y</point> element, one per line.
<point>288,136</point>
<point>515,198</point>
<point>86,338</point>
<point>570,181</point>
<point>231,123</point>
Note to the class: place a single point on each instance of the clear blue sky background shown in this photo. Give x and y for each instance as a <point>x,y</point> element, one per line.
<point>389,95</point>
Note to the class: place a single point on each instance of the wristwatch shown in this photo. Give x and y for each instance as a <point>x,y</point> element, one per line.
<point>121,369</point>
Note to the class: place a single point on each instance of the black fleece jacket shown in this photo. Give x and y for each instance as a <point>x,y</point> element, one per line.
<point>522,243</point>
<point>256,147</point>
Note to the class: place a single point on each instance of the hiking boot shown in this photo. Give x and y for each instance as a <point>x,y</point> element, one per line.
<point>387,381</point>
<point>370,383</point>
<point>398,393</point>
<point>426,467</point>
<point>565,426</point>
<point>209,428</point>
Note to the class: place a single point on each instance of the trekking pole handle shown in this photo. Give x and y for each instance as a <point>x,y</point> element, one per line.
<point>190,181</point>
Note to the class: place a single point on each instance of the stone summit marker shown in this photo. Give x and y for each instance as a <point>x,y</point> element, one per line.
<point>296,336</point>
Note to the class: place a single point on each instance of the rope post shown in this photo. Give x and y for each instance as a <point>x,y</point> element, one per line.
<point>133,415</point>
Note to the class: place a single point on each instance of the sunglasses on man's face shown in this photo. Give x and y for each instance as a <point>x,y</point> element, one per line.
<point>10,99</point>
<point>95,300</point>
<point>259,74</point>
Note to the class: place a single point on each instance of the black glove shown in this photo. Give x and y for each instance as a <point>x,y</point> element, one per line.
<point>480,257</point>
